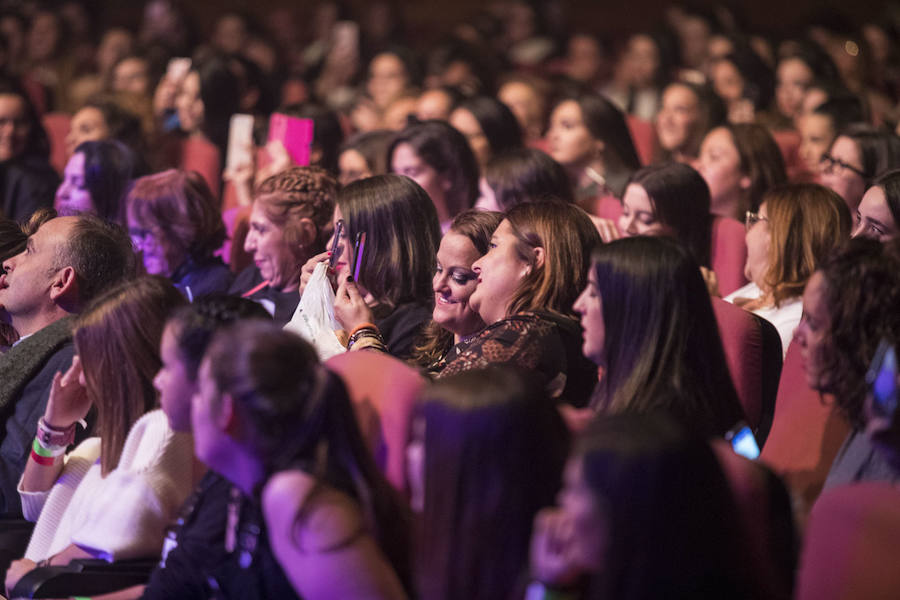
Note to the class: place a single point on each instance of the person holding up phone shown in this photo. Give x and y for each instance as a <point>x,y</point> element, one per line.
<point>849,307</point>
<point>384,292</point>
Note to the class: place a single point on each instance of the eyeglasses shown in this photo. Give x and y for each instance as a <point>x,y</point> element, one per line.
<point>834,165</point>
<point>752,219</point>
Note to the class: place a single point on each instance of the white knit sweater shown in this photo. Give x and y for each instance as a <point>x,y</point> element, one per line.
<point>123,515</point>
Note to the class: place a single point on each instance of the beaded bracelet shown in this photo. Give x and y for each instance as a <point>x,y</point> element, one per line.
<point>367,338</point>
<point>50,436</point>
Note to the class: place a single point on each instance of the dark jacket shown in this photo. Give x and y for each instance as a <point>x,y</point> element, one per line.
<point>26,185</point>
<point>26,374</point>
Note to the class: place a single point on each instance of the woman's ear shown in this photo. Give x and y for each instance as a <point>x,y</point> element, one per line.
<point>745,182</point>
<point>308,232</point>
<point>539,256</point>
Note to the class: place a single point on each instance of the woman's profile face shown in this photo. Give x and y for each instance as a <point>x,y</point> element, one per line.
<point>589,306</point>
<point>159,255</point>
<point>677,117</point>
<point>571,143</point>
<point>638,213</point>
<point>454,282</point>
<point>188,104</point>
<point>173,383</point>
<point>387,79</point>
<point>758,240</point>
<point>727,81</point>
<point>842,173</point>
<point>352,166</point>
<point>499,272</point>
<point>271,253</point>
<point>88,125</point>
<point>720,165</point>
<point>72,195</point>
<point>873,217</point>
<point>816,135</point>
<point>813,335</point>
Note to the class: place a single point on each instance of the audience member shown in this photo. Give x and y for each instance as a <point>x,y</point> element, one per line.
<point>878,215</point>
<point>96,180</point>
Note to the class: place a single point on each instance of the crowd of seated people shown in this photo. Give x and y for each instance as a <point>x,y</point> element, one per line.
<point>526,310</point>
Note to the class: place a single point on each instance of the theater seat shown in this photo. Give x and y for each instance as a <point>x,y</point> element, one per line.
<point>850,550</point>
<point>753,351</point>
<point>806,433</point>
<point>765,509</point>
<point>644,137</point>
<point>384,391</point>
<point>197,154</point>
<point>728,254</point>
<point>57,125</point>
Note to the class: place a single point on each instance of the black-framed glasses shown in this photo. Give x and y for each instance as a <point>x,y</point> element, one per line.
<point>752,218</point>
<point>829,163</point>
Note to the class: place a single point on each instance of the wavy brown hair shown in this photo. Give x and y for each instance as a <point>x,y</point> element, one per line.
<point>567,235</point>
<point>761,161</point>
<point>806,222</point>
<point>117,339</point>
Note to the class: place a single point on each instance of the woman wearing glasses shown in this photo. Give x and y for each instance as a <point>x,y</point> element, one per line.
<point>796,227</point>
<point>858,155</point>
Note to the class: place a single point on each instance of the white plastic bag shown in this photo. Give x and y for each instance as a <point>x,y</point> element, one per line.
<point>314,318</point>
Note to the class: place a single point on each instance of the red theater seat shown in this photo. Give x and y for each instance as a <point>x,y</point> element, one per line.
<point>728,254</point>
<point>57,126</point>
<point>850,550</point>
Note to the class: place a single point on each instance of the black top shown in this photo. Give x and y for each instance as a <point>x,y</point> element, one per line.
<point>199,566</point>
<point>250,284</point>
<point>198,278</point>
<point>26,184</point>
<point>402,327</point>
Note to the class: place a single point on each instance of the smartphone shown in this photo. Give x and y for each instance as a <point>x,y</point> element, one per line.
<point>338,233</point>
<point>743,442</point>
<point>294,133</point>
<point>882,381</point>
<point>240,141</point>
<point>178,68</point>
<point>359,249</point>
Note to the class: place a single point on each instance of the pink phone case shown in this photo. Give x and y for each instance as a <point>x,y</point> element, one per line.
<point>296,134</point>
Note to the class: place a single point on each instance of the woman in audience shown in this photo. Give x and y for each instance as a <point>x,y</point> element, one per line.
<point>500,415</point>
<point>28,179</point>
<point>489,126</point>
<point>526,96</point>
<point>116,494</point>
<point>687,113</point>
<point>645,507</point>
<point>648,323</point>
<point>454,281</point>
<point>797,226</point>
<point>588,136</point>
<point>289,222</point>
<point>669,199</point>
<point>364,155</point>
<point>206,99</point>
<point>522,175</point>
<point>536,265</point>
<point>392,299</point>
<point>282,429</point>
<point>744,82</point>
<point>878,215</point>
<point>739,163</point>
<point>849,307</point>
<point>96,180</point>
<point>175,222</point>
<point>796,71</point>
<point>102,118</point>
<point>438,158</point>
<point>858,155</point>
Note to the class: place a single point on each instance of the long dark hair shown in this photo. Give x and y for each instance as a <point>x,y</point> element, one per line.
<point>108,168</point>
<point>862,293</point>
<point>673,527</point>
<point>662,347</point>
<point>495,447</point>
<point>496,121</point>
<point>220,93</point>
<point>403,234</point>
<point>680,199</point>
<point>299,416</point>
<point>526,175</point>
<point>37,144</point>
<point>890,184</point>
